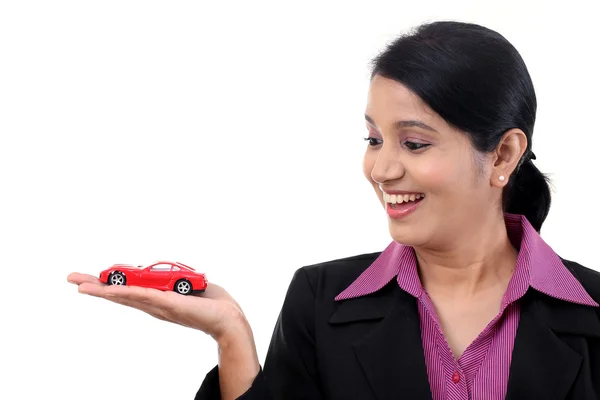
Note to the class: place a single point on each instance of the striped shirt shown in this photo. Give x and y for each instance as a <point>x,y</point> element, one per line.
<point>482,370</point>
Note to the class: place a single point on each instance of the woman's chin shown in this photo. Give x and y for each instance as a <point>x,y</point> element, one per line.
<point>404,234</point>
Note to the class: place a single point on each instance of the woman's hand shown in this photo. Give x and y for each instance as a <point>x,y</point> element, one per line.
<point>214,312</point>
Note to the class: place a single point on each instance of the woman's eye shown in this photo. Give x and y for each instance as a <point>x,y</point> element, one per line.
<point>413,146</point>
<point>373,141</point>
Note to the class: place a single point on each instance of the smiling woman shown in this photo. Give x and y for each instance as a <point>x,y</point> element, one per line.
<point>467,301</point>
<point>414,151</point>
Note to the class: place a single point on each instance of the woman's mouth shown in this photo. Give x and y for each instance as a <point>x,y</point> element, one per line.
<point>400,205</point>
<point>395,199</point>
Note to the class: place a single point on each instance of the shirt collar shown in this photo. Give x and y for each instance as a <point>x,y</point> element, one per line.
<point>537,266</point>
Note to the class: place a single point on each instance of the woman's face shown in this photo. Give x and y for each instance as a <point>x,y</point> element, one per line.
<point>412,150</point>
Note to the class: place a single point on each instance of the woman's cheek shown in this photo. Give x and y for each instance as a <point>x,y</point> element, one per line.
<point>433,175</point>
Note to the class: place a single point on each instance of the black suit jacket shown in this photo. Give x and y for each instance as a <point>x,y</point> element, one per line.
<point>370,347</point>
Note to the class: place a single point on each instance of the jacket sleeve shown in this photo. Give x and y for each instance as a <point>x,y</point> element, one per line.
<point>290,370</point>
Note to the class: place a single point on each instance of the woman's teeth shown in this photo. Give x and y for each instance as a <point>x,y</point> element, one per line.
<point>401,198</point>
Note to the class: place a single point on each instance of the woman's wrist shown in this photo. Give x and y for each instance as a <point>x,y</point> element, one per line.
<point>238,360</point>
<point>234,327</point>
<point>237,346</point>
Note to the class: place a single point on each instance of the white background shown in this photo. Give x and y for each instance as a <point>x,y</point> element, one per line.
<point>228,136</point>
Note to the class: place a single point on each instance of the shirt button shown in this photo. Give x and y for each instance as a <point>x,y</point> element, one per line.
<point>456,377</point>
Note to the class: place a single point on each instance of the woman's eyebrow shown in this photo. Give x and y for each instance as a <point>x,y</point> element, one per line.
<point>405,124</point>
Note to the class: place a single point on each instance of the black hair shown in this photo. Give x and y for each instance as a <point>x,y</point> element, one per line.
<point>477,81</point>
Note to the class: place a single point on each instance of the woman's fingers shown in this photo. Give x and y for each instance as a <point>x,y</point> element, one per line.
<point>213,291</point>
<point>132,293</point>
<point>147,300</point>
<point>212,312</point>
<point>145,307</point>
<point>78,278</point>
<point>190,311</point>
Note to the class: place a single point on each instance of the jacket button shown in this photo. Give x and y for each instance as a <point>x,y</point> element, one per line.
<point>456,377</point>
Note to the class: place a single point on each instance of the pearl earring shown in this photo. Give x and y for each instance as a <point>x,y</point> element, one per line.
<point>501,178</point>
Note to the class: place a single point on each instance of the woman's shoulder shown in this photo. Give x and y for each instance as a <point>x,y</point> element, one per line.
<point>588,277</point>
<point>348,267</point>
<point>329,278</point>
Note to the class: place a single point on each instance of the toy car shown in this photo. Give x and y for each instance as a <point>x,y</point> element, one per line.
<point>162,275</point>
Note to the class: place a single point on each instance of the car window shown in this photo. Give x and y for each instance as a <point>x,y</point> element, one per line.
<point>175,268</point>
<point>161,267</point>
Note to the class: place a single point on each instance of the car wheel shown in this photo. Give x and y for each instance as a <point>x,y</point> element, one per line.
<point>117,278</point>
<point>183,286</point>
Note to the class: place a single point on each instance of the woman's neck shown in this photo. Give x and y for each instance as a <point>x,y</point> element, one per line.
<point>478,261</point>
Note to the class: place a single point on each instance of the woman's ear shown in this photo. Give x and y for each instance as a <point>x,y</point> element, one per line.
<point>507,155</point>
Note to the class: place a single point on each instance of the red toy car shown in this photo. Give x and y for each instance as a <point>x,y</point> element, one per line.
<point>162,275</point>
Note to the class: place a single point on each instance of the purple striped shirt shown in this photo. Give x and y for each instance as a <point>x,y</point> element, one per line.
<point>482,370</point>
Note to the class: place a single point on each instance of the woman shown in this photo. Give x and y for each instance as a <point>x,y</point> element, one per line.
<point>467,302</point>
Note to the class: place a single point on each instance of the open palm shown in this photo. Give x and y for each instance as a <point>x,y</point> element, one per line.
<point>213,312</point>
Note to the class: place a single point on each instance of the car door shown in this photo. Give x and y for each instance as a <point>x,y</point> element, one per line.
<point>157,275</point>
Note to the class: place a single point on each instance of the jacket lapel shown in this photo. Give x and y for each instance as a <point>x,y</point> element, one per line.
<point>543,366</point>
<point>391,354</point>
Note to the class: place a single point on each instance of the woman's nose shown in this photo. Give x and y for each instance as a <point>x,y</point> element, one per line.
<point>387,167</point>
